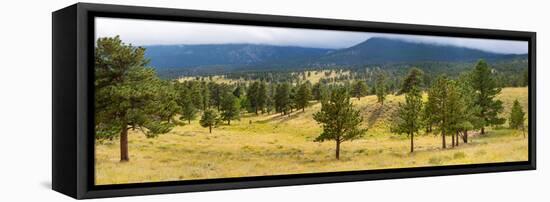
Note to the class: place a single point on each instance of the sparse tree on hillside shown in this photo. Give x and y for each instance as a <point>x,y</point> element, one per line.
<point>238,91</point>
<point>485,86</point>
<point>252,95</point>
<point>381,87</point>
<point>143,101</point>
<point>282,98</point>
<point>413,79</point>
<point>303,96</point>
<point>197,95</point>
<point>443,97</point>
<point>517,117</point>
<point>262,96</point>
<point>408,117</point>
<point>230,108</point>
<point>188,111</point>
<point>209,119</point>
<point>360,89</point>
<point>470,120</point>
<point>339,120</point>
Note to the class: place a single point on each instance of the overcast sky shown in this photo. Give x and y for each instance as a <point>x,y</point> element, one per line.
<point>154,32</point>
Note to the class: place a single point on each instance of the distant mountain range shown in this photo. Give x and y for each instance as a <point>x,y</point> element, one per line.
<point>253,56</point>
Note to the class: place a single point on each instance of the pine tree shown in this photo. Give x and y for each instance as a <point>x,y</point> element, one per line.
<point>470,120</point>
<point>408,117</point>
<point>282,98</point>
<point>439,95</point>
<point>230,108</point>
<point>128,95</point>
<point>238,91</point>
<point>189,111</point>
<point>486,89</point>
<point>209,119</point>
<point>262,96</point>
<point>252,96</point>
<point>517,117</point>
<point>197,95</point>
<point>359,89</point>
<point>303,95</point>
<point>339,120</point>
<point>381,87</point>
<point>413,79</point>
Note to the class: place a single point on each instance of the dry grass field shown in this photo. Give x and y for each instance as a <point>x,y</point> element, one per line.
<point>275,144</point>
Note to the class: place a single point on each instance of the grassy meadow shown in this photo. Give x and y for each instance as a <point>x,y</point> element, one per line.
<point>271,144</point>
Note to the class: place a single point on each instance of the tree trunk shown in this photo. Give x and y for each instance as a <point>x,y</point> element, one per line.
<point>124,145</point>
<point>457,135</point>
<point>337,149</point>
<point>444,144</point>
<point>412,142</point>
<point>210,128</point>
<point>465,138</point>
<point>453,140</point>
<point>483,130</point>
<point>189,121</point>
<point>303,109</point>
<point>228,121</point>
<point>523,131</point>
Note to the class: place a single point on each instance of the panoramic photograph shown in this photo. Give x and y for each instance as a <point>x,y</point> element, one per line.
<point>177,101</point>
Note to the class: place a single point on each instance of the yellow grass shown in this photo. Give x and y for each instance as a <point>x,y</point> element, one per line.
<point>274,145</point>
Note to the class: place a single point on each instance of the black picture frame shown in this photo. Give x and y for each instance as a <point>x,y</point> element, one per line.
<point>72,98</point>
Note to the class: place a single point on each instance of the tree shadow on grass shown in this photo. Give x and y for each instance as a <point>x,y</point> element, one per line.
<point>283,118</point>
<point>374,115</point>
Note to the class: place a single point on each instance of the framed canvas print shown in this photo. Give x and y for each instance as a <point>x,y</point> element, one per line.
<point>155,100</point>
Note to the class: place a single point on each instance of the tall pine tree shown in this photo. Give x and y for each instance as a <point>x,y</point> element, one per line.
<point>359,89</point>
<point>517,117</point>
<point>128,95</point>
<point>381,87</point>
<point>409,115</point>
<point>339,120</point>
<point>230,108</point>
<point>486,89</point>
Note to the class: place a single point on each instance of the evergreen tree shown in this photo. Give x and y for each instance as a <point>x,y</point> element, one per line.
<point>316,91</point>
<point>230,107</point>
<point>209,119</point>
<point>205,92</point>
<point>381,87</point>
<point>238,91</point>
<point>270,102</point>
<point>486,89</point>
<point>408,116</point>
<point>413,79</point>
<point>252,95</point>
<point>282,98</point>
<point>359,89</point>
<point>303,95</point>
<point>189,111</point>
<point>517,117</point>
<point>339,120</point>
<point>197,95</point>
<point>262,96</point>
<point>470,120</point>
<point>128,95</point>
<point>439,94</point>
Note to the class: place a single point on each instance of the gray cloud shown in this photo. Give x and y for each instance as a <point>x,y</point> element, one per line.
<point>153,32</point>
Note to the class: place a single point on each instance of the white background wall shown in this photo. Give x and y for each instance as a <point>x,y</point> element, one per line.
<point>25,101</point>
